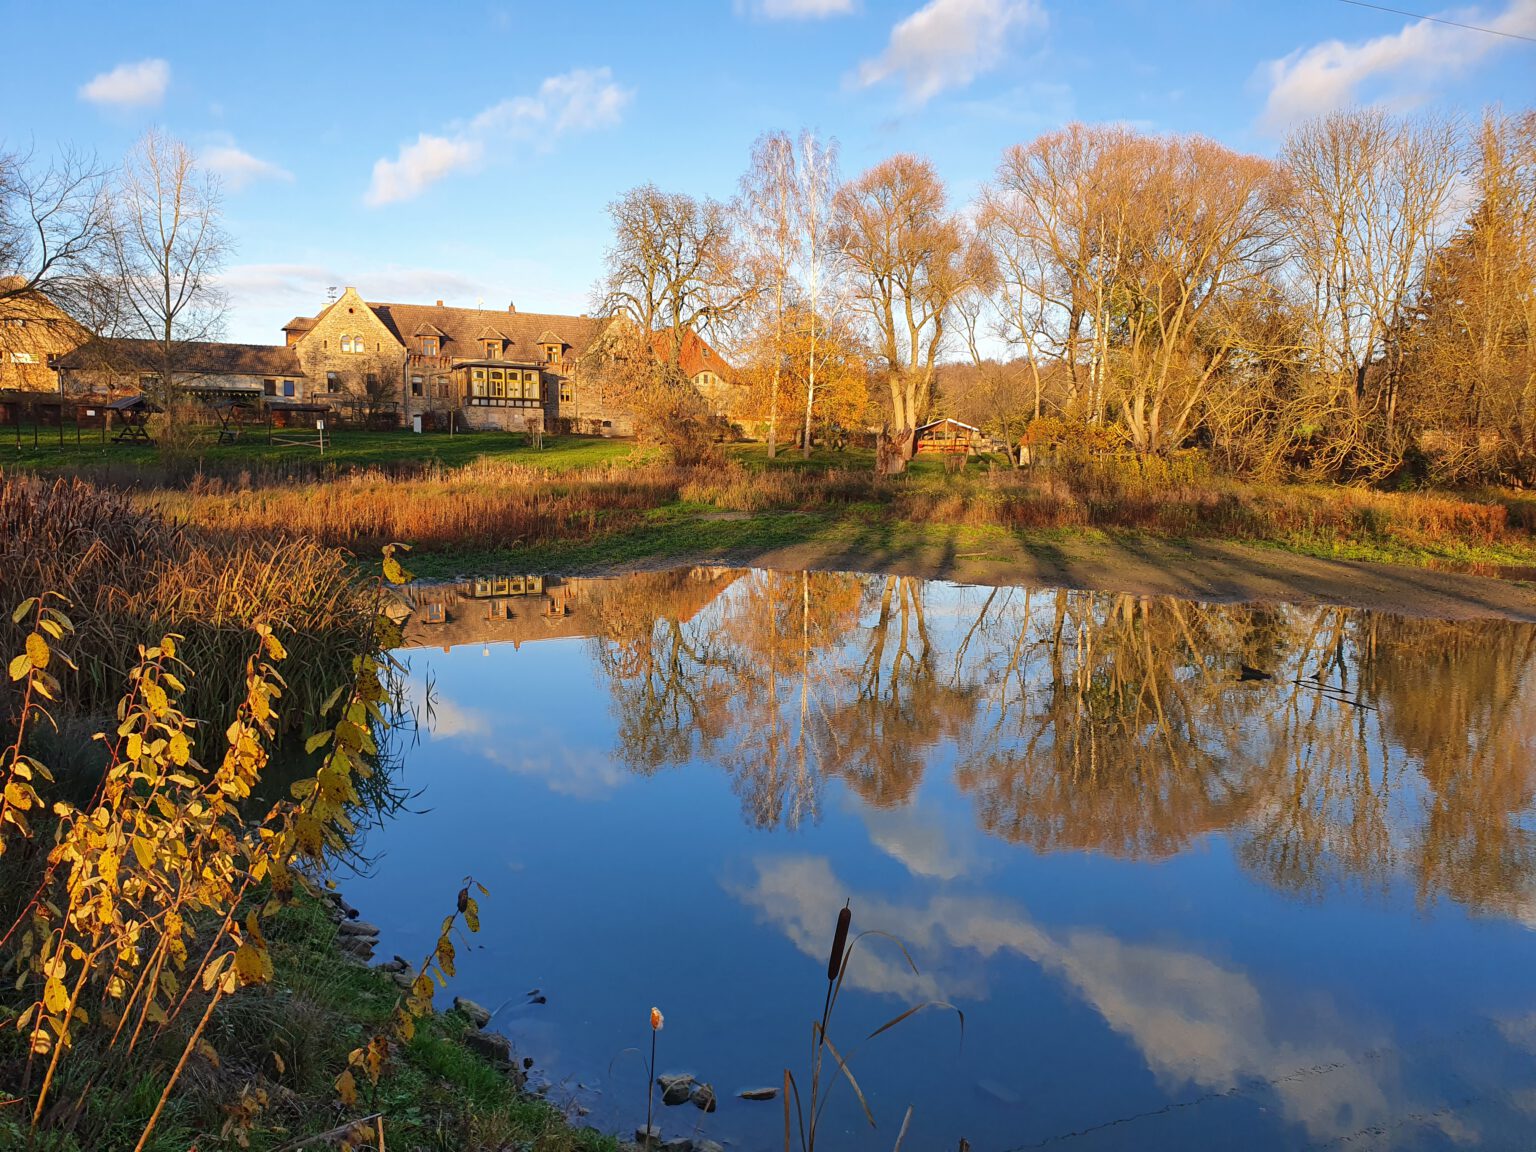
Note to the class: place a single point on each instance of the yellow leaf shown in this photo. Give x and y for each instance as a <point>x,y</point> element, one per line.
<point>277,1062</point>
<point>472,914</point>
<point>181,748</point>
<point>346,1088</point>
<point>145,851</point>
<point>55,996</point>
<point>252,964</point>
<point>20,666</point>
<point>37,650</point>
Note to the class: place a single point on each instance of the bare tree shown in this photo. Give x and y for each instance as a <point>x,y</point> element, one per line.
<point>818,192</point>
<point>1371,196</point>
<point>52,226</point>
<point>674,266</point>
<point>167,248</point>
<point>769,209</point>
<point>905,255</point>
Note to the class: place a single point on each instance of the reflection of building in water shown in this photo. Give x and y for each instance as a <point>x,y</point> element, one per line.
<point>518,609</point>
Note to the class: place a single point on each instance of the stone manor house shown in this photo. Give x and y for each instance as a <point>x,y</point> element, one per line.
<point>393,363</point>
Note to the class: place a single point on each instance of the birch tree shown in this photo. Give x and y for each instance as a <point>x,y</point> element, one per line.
<point>769,207</point>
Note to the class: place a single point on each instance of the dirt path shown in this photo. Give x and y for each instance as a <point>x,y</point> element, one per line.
<point>1197,570</point>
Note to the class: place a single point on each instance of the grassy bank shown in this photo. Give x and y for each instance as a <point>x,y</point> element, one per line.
<point>506,511</point>
<point>278,1055</point>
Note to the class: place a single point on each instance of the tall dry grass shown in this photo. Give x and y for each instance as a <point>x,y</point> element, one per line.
<point>1168,498</point>
<point>481,505</point>
<point>495,505</point>
<point>128,573</point>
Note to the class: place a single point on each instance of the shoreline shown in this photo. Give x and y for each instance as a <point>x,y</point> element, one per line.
<point>1203,570</point>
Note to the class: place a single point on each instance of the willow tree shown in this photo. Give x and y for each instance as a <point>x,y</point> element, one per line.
<point>1369,198</point>
<point>905,256</point>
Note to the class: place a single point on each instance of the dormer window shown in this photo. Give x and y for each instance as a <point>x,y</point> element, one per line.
<point>493,349</point>
<point>551,353</point>
<point>429,345</point>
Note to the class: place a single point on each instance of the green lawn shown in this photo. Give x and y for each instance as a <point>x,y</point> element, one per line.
<point>347,448</point>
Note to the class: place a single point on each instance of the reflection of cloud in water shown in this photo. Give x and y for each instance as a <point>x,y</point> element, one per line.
<point>542,754</point>
<point>584,773</point>
<point>1193,1020</point>
<point>912,836</point>
<point>450,721</point>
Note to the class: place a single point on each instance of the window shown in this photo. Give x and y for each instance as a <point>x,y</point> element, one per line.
<point>531,386</point>
<point>14,322</point>
<point>330,381</point>
<point>415,385</point>
<point>23,358</point>
<point>493,349</point>
<point>429,345</point>
<point>288,387</point>
<point>477,383</point>
<point>269,387</point>
<point>440,387</point>
<point>346,343</point>
<point>551,353</point>
<point>567,392</point>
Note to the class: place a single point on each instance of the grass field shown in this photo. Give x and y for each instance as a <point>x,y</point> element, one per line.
<point>345,449</point>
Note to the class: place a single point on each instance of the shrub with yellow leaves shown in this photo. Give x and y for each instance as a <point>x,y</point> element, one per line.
<point>144,909</point>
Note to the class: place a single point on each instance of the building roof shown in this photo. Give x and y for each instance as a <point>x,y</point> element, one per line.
<point>461,328</point>
<point>696,355</point>
<point>299,324</point>
<point>205,358</point>
<point>946,420</point>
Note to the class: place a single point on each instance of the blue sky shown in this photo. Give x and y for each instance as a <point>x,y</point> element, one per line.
<point>466,151</point>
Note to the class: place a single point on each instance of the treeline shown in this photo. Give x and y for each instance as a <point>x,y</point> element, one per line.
<point>1359,308</point>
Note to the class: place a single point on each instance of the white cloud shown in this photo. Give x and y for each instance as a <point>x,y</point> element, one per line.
<point>239,168</point>
<point>947,44</point>
<point>420,165</point>
<point>801,9</point>
<point>582,100</point>
<point>1194,1020</point>
<point>137,85</point>
<point>1400,65</point>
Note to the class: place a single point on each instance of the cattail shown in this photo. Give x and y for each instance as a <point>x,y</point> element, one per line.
<point>657,1019</point>
<point>839,941</point>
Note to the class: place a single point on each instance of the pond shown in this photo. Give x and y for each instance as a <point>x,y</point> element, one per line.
<point>1198,876</point>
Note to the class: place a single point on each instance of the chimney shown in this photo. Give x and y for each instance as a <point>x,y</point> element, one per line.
<point>511,307</point>
<point>439,303</point>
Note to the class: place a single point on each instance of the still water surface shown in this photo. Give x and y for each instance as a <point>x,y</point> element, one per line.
<point>1199,876</point>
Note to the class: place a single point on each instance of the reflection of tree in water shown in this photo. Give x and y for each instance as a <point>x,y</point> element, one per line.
<point>1110,724</point>
<point>670,674</point>
<point>1457,699</point>
<point>783,622</point>
<point>1355,747</point>
<point>893,703</point>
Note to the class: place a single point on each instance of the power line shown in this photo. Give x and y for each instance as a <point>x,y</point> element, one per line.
<point>1438,20</point>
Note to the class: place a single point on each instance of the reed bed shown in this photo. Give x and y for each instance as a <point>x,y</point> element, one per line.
<point>130,575</point>
<point>487,504</point>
